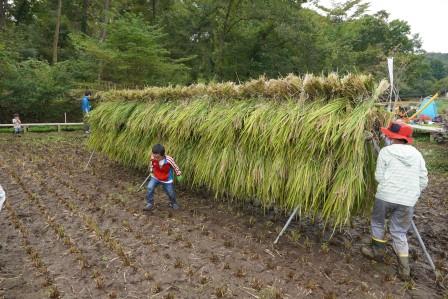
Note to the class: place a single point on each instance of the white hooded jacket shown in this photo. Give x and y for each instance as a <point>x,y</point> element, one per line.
<point>401,174</point>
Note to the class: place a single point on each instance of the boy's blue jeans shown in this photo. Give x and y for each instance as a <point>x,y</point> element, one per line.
<point>167,187</point>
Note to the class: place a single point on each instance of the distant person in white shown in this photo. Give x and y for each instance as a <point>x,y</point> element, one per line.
<point>402,176</point>
<point>17,124</point>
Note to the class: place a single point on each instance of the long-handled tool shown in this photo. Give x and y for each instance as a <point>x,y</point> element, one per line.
<point>147,178</point>
<point>141,186</point>
<point>422,245</point>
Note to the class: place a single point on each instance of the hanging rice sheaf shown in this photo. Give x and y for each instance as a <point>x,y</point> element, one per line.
<point>294,141</point>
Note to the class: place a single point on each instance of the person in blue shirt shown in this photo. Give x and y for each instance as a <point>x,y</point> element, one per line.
<point>85,106</point>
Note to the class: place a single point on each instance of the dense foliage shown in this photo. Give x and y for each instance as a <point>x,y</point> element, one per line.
<point>48,55</point>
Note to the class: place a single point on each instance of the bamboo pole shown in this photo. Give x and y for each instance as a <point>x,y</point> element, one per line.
<point>424,107</point>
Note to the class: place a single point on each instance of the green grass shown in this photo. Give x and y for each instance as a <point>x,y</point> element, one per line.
<point>435,154</point>
<point>45,129</point>
<point>442,104</point>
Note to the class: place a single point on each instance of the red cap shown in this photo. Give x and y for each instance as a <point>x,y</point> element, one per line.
<point>398,131</point>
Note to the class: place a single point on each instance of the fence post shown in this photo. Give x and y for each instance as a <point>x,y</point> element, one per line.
<point>59,128</point>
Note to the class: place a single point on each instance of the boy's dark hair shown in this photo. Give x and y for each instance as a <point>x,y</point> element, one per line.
<point>88,93</point>
<point>158,149</point>
<point>16,114</point>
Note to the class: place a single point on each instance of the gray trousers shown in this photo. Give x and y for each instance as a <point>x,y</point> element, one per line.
<point>400,221</point>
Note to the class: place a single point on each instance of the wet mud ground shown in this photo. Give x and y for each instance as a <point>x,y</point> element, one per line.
<point>74,233</point>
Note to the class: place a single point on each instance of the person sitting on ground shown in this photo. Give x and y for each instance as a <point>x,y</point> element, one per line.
<point>402,176</point>
<point>163,169</point>
<point>17,124</point>
<point>85,106</point>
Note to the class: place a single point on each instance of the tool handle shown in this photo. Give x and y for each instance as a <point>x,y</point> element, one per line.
<point>422,245</point>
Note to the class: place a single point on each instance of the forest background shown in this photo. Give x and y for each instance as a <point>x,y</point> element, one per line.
<point>51,51</point>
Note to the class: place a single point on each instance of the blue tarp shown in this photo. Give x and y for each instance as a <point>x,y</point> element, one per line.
<point>431,110</point>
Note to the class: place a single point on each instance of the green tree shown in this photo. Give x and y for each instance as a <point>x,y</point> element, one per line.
<point>238,39</point>
<point>438,70</point>
<point>34,88</point>
<point>152,42</point>
<point>132,54</point>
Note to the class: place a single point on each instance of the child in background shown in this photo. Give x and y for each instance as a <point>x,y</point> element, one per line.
<point>401,175</point>
<point>86,107</point>
<point>17,124</point>
<point>163,169</point>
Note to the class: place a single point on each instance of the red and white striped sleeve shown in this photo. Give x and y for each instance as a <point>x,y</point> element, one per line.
<point>176,168</point>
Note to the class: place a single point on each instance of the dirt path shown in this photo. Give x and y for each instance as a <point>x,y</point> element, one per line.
<point>91,234</point>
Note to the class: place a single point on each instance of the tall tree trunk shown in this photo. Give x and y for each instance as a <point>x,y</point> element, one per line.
<point>105,20</point>
<point>84,17</point>
<point>154,10</point>
<point>56,32</point>
<point>2,14</point>
<point>221,41</point>
<point>103,34</point>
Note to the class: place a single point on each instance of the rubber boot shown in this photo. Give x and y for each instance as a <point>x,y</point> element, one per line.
<point>375,251</point>
<point>404,271</point>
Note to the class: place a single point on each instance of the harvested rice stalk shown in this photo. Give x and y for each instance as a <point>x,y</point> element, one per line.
<point>309,87</point>
<point>282,153</point>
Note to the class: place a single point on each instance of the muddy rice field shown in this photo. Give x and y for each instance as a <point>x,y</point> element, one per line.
<point>67,232</point>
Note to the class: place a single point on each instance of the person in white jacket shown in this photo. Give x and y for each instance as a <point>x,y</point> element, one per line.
<point>402,176</point>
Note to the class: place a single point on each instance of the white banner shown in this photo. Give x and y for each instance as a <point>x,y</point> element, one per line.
<point>390,65</point>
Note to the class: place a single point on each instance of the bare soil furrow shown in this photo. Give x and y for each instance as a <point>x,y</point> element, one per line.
<point>210,248</point>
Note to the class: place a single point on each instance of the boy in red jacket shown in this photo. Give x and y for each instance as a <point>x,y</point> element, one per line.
<point>163,169</point>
